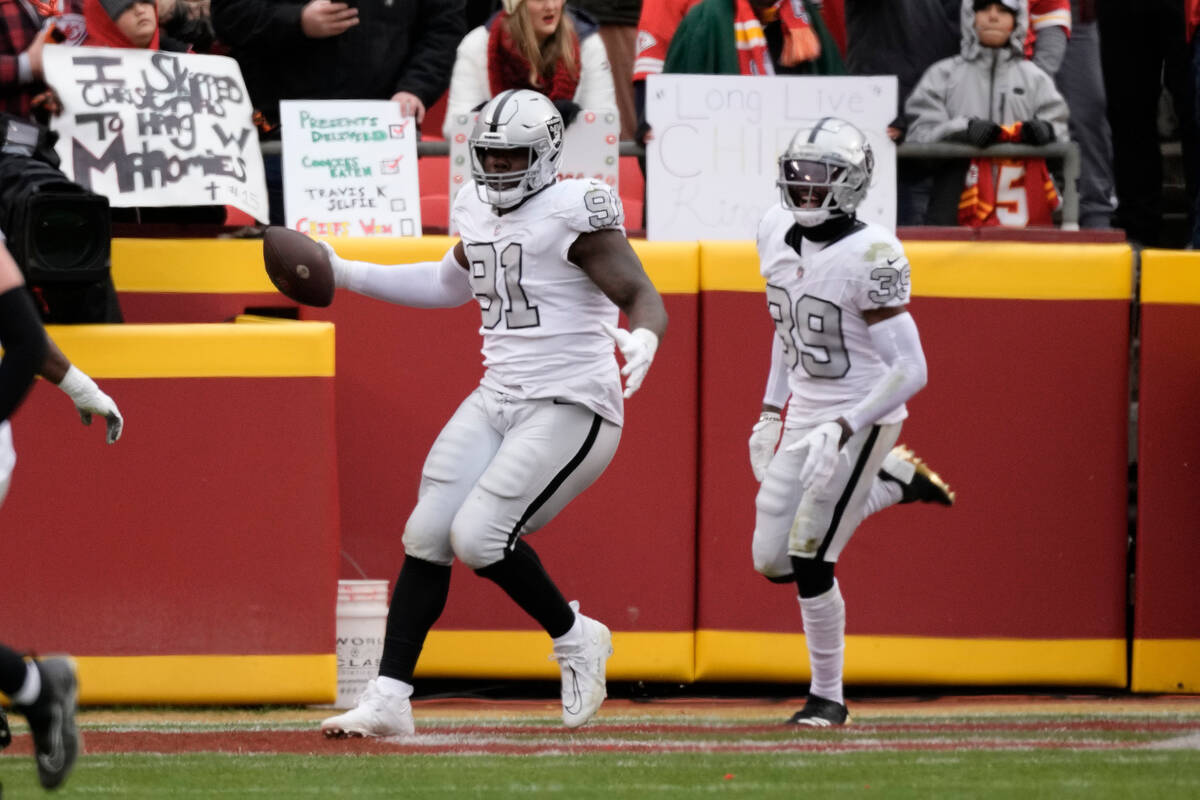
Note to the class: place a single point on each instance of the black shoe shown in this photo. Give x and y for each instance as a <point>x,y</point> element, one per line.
<point>820,713</point>
<point>52,721</point>
<point>5,733</point>
<point>926,485</point>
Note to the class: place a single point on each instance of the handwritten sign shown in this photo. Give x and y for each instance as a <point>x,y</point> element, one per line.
<point>350,168</point>
<point>590,148</point>
<point>712,163</point>
<point>150,128</point>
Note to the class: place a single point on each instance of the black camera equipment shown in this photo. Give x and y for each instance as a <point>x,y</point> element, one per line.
<point>59,233</point>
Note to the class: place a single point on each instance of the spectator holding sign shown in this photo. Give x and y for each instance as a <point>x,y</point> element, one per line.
<point>988,94</point>
<point>533,44</point>
<point>121,23</point>
<point>400,50</point>
<point>27,28</point>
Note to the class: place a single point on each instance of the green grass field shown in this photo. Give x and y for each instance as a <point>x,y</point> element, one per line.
<point>673,750</point>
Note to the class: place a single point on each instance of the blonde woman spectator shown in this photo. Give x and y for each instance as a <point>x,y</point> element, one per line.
<point>533,44</point>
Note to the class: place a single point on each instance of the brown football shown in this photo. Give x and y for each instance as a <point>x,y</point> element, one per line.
<point>298,266</point>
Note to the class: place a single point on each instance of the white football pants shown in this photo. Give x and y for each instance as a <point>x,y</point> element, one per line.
<point>818,525</point>
<point>501,468</point>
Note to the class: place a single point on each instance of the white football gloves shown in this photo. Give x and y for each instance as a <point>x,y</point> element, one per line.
<point>638,347</point>
<point>89,400</point>
<point>763,438</point>
<point>821,446</point>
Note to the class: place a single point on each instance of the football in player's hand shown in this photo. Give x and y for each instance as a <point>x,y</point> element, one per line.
<point>298,266</point>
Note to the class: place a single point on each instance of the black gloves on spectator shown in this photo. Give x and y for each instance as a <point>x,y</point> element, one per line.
<point>1037,132</point>
<point>982,132</point>
<point>569,110</point>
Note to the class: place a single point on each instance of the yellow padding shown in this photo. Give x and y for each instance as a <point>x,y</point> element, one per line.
<point>235,266</point>
<point>1166,665</point>
<point>782,657</point>
<point>1171,276</point>
<point>673,266</point>
<point>222,350</point>
<point>208,680</point>
<point>525,655</point>
<point>991,270</point>
<point>218,266</point>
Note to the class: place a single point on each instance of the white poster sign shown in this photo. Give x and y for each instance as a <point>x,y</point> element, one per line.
<point>150,128</point>
<point>590,149</point>
<point>712,163</point>
<point>350,168</point>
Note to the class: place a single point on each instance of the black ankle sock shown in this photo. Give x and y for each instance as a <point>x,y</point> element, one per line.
<point>12,671</point>
<point>523,578</point>
<point>417,602</point>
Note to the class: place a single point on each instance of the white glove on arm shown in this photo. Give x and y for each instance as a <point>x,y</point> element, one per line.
<point>821,446</point>
<point>638,348</point>
<point>89,400</point>
<point>763,438</point>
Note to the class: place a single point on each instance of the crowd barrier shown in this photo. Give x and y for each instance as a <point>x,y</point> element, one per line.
<point>1023,582</point>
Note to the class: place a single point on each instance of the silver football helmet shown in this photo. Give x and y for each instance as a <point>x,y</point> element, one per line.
<point>825,171</point>
<point>516,119</point>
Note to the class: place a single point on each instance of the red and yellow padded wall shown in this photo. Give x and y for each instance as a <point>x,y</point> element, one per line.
<point>1022,582</point>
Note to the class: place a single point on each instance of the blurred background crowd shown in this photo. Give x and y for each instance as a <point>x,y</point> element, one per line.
<point>1118,79</point>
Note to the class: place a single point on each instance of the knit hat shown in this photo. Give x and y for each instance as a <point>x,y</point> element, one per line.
<point>1009,5</point>
<point>512,5</point>
<point>115,8</point>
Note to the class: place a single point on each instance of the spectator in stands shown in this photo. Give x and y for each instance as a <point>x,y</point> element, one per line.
<point>1049,31</point>
<point>1082,86</point>
<point>1143,49</point>
<point>401,50</point>
<point>533,44</point>
<point>904,39</point>
<point>187,24</point>
<point>121,23</point>
<point>784,38</point>
<point>618,30</point>
<point>987,94</point>
<point>26,29</point>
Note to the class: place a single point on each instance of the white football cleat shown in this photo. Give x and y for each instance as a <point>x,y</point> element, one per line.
<point>583,665</point>
<point>377,714</point>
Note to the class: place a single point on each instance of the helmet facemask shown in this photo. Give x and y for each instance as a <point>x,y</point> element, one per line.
<point>524,122</point>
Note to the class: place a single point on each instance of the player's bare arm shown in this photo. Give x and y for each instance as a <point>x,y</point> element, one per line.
<point>612,265</point>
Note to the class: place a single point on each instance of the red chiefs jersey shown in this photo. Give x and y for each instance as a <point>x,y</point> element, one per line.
<point>1046,14</point>
<point>1193,18</point>
<point>657,25</point>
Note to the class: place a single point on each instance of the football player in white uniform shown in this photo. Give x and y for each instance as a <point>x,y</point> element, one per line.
<point>847,352</point>
<point>550,267</point>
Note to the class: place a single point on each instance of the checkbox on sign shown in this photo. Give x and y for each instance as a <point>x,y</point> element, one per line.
<point>397,131</point>
<point>390,167</point>
<point>398,204</point>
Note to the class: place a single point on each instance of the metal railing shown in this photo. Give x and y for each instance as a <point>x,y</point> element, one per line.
<point>1068,152</point>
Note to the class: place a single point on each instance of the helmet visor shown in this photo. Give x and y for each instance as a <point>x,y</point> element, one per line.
<point>807,184</point>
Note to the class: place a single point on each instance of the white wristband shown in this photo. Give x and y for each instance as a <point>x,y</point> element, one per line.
<point>76,383</point>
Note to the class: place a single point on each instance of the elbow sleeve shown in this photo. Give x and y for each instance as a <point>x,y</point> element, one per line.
<point>899,345</point>
<point>24,343</point>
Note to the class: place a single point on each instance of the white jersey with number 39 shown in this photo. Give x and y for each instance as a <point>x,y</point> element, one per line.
<point>541,314</point>
<point>817,297</point>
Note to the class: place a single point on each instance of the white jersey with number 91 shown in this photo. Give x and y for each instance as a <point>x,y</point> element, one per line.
<point>541,314</point>
<point>816,298</point>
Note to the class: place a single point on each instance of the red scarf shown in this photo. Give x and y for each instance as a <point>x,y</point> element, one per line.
<point>509,69</point>
<point>800,42</point>
<point>1012,192</point>
<point>102,31</point>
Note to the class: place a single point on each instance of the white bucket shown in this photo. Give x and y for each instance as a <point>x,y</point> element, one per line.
<point>362,608</point>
